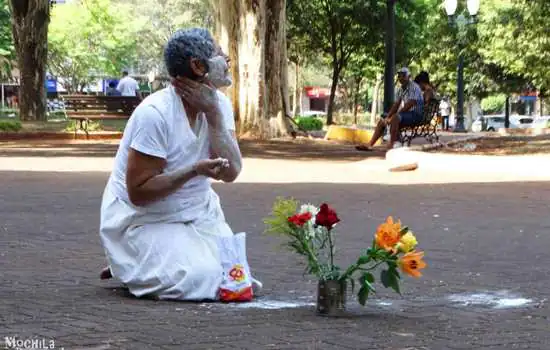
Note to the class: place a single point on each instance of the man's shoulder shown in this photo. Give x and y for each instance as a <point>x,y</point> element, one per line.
<point>160,102</point>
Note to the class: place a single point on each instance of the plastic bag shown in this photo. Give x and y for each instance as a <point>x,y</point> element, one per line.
<point>237,281</point>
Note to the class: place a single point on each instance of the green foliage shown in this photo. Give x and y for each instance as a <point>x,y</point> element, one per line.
<point>10,125</point>
<point>516,37</point>
<point>7,48</point>
<point>335,30</point>
<point>9,113</point>
<point>282,209</point>
<point>493,104</point>
<point>155,21</point>
<point>57,115</point>
<point>90,38</point>
<point>506,51</point>
<point>390,278</point>
<point>92,126</point>
<point>310,123</point>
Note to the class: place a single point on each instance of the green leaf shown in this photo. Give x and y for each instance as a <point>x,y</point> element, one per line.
<point>363,260</point>
<point>385,278</point>
<point>363,295</point>
<point>390,279</point>
<point>367,279</point>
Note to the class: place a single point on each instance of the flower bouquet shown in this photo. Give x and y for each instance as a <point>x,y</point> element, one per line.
<point>310,233</point>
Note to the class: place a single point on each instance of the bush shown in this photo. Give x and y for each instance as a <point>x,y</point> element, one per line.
<point>9,113</point>
<point>493,104</point>
<point>10,125</point>
<point>310,123</point>
<point>56,115</point>
<point>75,124</point>
<point>349,119</point>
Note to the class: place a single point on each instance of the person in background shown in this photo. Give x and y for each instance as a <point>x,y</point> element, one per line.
<point>128,86</point>
<point>406,111</point>
<point>428,90</point>
<point>445,112</point>
<point>111,90</point>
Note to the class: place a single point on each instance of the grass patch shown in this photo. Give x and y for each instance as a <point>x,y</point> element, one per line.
<point>7,125</point>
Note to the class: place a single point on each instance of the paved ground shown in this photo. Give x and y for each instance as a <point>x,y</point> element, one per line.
<point>485,239</point>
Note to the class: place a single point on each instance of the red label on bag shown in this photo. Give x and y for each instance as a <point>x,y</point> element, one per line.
<point>241,295</point>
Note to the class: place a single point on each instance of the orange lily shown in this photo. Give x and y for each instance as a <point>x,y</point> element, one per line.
<point>412,263</point>
<point>388,234</point>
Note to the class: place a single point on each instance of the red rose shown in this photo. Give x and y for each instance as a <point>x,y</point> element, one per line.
<point>300,219</point>
<point>326,217</point>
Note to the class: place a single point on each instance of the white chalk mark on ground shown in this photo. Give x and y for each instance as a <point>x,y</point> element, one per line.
<point>267,304</point>
<point>496,300</point>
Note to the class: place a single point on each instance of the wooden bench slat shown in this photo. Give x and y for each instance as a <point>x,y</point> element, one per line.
<point>84,108</point>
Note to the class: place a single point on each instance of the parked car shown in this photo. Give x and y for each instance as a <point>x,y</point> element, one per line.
<point>542,122</point>
<point>521,121</point>
<point>492,123</point>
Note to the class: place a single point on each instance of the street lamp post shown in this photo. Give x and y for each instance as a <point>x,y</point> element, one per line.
<point>461,21</point>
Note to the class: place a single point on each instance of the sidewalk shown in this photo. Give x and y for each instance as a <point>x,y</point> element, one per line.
<point>485,286</point>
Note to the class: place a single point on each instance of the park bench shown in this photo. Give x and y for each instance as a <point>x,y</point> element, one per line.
<point>83,108</point>
<point>427,128</point>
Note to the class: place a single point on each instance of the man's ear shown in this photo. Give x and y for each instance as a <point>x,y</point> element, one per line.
<point>198,67</point>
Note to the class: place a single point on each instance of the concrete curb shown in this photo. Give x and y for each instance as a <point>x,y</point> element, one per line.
<point>523,165</point>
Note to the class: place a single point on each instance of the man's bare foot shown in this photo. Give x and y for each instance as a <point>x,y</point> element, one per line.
<point>106,274</point>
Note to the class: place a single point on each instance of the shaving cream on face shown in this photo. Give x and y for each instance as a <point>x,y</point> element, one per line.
<point>218,73</point>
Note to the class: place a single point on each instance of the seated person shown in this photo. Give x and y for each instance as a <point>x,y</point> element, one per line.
<point>406,111</point>
<point>428,90</point>
<point>160,217</point>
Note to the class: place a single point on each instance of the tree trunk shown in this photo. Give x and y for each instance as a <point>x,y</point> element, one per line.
<point>253,32</point>
<point>275,71</point>
<point>30,19</point>
<point>297,98</point>
<point>375,97</point>
<point>358,81</point>
<point>507,113</point>
<point>334,85</point>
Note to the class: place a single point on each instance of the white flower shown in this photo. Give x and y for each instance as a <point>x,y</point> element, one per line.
<point>309,228</point>
<point>309,208</point>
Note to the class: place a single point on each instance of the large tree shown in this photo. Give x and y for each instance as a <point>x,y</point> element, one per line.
<point>337,30</point>
<point>516,34</point>
<point>90,39</point>
<point>30,19</point>
<point>253,33</point>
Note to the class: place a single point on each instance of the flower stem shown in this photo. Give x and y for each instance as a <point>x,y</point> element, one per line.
<point>375,266</point>
<point>331,251</point>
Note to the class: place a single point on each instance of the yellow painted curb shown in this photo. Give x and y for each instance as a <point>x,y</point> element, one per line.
<point>349,134</point>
